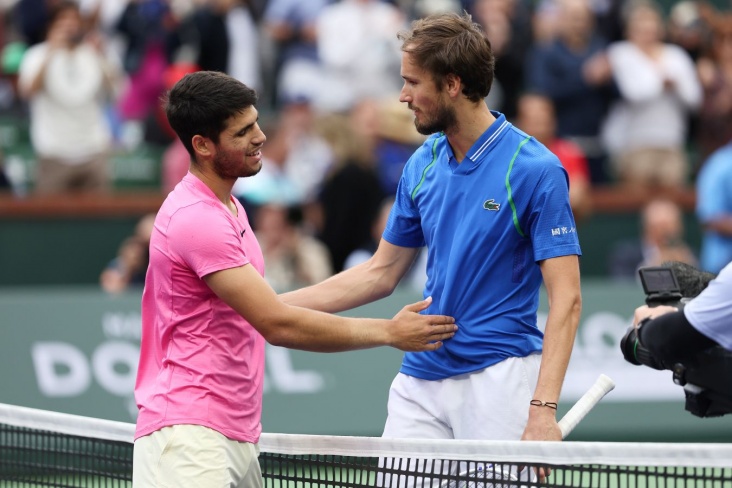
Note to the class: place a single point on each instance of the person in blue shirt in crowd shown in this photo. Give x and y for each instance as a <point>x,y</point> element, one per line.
<point>491,205</point>
<point>714,209</point>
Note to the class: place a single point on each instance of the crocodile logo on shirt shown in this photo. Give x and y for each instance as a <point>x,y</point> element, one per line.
<point>491,205</point>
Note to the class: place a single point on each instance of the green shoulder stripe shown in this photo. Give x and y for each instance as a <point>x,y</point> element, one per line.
<point>424,173</point>
<point>510,192</point>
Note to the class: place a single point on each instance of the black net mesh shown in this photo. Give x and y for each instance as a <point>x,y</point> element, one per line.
<point>35,457</point>
<point>347,471</point>
<point>30,457</point>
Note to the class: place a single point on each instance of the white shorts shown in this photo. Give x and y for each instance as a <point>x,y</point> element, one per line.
<point>194,456</point>
<point>490,404</point>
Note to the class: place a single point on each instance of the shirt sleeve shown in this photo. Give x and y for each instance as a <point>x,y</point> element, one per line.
<point>711,312</point>
<point>681,69</point>
<point>206,240</point>
<point>31,64</point>
<point>551,224</point>
<point>404,226</point>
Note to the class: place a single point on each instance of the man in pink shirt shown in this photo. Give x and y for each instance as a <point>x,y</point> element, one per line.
<point>207,310</point>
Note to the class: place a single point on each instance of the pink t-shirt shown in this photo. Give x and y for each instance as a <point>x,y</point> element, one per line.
<point>200,362</point>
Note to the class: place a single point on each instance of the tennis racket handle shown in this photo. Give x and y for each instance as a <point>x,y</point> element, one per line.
<point>603,385</point>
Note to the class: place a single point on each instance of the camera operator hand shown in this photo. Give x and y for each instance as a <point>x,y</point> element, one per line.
<point>666,335</point>
<point>645,312</point>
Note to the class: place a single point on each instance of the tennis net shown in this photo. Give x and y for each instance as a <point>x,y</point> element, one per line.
<point>39,448</point>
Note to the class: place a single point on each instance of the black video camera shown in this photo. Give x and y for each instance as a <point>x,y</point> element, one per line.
<point>707,376</point>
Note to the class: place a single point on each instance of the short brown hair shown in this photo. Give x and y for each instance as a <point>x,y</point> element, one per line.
<point>449,43</point>
<point>202,103</point>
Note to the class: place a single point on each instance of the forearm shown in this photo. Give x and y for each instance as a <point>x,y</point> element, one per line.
<point>310,330</point>
<point>314,331</point>
<point>35,83</point>
<point>110,74</point>
<point>343,291</point>
<point>559,336</point>
<point>365,283</point>
<point>721,225</point>
<point>244,290</point>
<point>280,31</point>
<point>562,281</point>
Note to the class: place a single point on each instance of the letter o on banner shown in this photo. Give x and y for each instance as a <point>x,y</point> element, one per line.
<point>104,361</point>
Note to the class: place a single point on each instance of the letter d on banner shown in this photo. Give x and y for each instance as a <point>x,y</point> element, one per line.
<point>61,369</point>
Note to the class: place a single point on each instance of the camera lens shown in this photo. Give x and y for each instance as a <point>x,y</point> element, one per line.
<point>629,345</point>
<point>635,353</point>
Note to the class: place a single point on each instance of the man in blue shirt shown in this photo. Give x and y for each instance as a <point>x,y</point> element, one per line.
<point>491,204</point>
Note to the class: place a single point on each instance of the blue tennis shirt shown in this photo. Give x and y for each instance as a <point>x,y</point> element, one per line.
<point>486,223</point>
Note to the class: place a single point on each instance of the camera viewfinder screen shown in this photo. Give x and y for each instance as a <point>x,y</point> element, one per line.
<point>657,280</point>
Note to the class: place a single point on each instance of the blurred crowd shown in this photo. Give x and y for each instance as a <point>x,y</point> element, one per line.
<point>625,92</point>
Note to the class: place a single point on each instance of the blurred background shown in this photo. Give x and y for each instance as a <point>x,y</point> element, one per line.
<point>634,97</point>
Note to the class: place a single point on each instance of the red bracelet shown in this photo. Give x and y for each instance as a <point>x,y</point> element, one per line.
<point>539,403</point>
